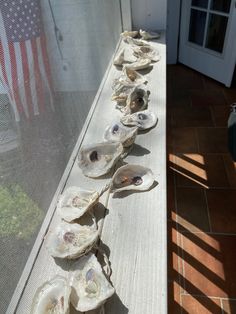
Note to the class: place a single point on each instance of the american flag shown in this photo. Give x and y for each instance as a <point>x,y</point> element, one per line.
<point>24,63</point>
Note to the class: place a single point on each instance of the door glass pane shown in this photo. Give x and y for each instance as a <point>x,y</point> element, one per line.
<point>197,26</point>
<point>200,3</point>
<point>216,32</point>
<point>221,5</point>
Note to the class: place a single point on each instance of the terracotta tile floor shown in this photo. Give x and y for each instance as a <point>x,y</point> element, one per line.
<point>201,195</point>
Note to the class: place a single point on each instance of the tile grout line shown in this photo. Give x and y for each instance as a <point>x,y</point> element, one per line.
<point>221,305</point>
<point>208,212</point>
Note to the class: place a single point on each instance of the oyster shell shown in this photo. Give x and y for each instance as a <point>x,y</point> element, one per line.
<point>96,160</point>
<point>71,240</point>
<point>117,132</point>
<point>132,177</point>
<point>124,56</point>
<point>90,288</point>
<point>137,100</point>
<point>130,34</point>
<point>52,297</point>
<point>146,52</point>
<point>149,35</point>
<point>143,119</point>
<point>134,42</point>
<point>75,201</point>
<point>121,92</point>
<point>140,64</point>
<point>129,78</point>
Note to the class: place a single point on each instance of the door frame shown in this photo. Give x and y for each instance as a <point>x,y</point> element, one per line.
<point>173,34</point>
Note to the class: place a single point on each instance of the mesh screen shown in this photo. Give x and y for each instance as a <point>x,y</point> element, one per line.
<point>53,55</point>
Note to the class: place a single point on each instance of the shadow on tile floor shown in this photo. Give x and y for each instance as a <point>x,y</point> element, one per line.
<point>201,196</point>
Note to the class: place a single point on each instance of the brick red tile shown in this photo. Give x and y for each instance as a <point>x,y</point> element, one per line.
<point>201,305</point>
<point>210,274</point>
<point>230,167</point>
<point>192,209</point>
<point>229,306</point>
<point>200,170</point>
<point>174,306</point>
<point>173,250</point>
<point>184,140</point>
<point>212,140</point>
<point>222,210</point>
<point>191,116</point>
<point>220,115</point>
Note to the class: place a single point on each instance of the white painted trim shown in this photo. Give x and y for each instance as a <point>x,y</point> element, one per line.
<point>173,21</point>
<point>126,14</point>
<point>44,228</point>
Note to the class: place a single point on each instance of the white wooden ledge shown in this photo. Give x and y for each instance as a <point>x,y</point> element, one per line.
<point>134,227</point>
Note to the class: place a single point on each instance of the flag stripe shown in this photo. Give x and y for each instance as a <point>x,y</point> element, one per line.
<point>21,79</point>
<point>26,77</point>
<point>38,77</point>
<point>14,77</point>
<point>4,74</point>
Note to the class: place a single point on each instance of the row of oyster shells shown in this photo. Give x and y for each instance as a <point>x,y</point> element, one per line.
<point>87,287</point>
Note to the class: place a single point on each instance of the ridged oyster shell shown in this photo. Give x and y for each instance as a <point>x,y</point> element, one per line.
<point>90,288</point>
<point>52,297</point>
<point>135,42</point>
<point>140,64</point>
<point>128,78</point>
<point>117,132</point>
<point>132,177</point>
<point>146,52</point>
<point>130,34</point>
<point>121,92</point>
<point>75,201</point>
<point>124,56</point>
<point>71,240</point>
<point>143,119</point>
<point>137,100</point>
<point>96,160</point>
<point>149,35</point>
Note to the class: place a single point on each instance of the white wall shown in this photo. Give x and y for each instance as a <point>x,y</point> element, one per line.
<point>149,14</point>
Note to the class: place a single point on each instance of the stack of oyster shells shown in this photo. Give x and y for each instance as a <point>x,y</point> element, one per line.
<point>88,286</point>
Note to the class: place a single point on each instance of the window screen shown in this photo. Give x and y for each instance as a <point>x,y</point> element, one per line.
<point>53,55</point>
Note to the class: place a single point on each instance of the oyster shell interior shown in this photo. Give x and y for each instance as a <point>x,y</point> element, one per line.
<point>146,52</point>
<point>140,64</point>
<point>97,159</point>
<point>137,100</point>
<point>143,119</point>
<point>75,201</point>
<point>90,287</point>
<point>149,35</point>
<point>132,177</point>
<point>121,91</point>
<point>71,240</point>
<point>119,133</point>
<point>125,55</point>
<point>52,297</point>
<point>128,78</point>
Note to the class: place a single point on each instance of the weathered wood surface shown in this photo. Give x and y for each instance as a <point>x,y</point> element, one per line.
<point>134,227</point>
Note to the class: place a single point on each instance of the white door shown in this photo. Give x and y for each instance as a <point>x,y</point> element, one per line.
<point>208,37</point>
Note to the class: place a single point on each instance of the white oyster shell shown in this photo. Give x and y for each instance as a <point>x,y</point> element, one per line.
<point>121,92</point>
<point>129,34</point>
<point>132,177</point>
<point>140,64</point>
<point>137,100</point>
<point>149,35</point>
<point>134,42</point>
<point>143,119</point>
<point>52,297</point>
<point>75,201</point>
<point>146,52</point>
<point>124,56</point>
<point>117,132</point>
<point>96,160</point>
<point>90,288</point>
<point>71,240</point>
<point>129,78</point>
